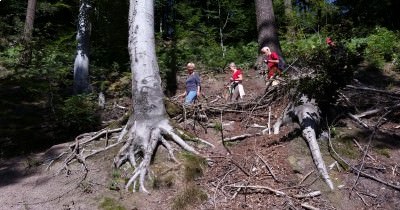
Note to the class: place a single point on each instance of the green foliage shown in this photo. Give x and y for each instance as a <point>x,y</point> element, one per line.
<point>79,113</point>
<point>190,196</point>
<point>379,47</point>
<point>121,87</point>
<point>116,180</point>
<point>303,49</point>
<point>382,150</point>
<point>10,56</point>
<point>366,13</point>
<point>333,67</point>
<point>345,146</point>
<point>110,204</point>
<point>306,17</point>
<point>163,182</point>
<point>57,53</point>
<point>198,38</point>
<point>218,126</point>
<point>194,166</point>
<point>109,37</point>
<point>242,54</point>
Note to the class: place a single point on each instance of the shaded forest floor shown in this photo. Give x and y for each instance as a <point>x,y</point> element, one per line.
<point>243,174</point>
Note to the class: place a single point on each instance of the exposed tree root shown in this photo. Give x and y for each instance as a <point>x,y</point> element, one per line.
<point>142,140</point>
<point>78,153</point>
<point>307,114</point>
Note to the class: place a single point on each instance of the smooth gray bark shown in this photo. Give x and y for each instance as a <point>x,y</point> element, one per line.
<point>148,124</point>
<point>306,113</point>
<point>81,64</point>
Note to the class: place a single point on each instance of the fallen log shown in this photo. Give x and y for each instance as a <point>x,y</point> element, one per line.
<point>374,90</point>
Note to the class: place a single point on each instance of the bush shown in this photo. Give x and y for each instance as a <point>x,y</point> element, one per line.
<point>11,55</point>
<point>303,49</point>
<point>333,67</point>
<point>189,197</point>
<point>379,47</point>
<point>79,113</point>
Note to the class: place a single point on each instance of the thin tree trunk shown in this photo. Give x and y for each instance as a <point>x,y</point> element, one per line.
<point>81,64</point>
<point>28,30</point>
<point>30,18</point>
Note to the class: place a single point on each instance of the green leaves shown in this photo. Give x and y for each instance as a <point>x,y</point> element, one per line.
<point>79,113</point>
<point>379,47</point>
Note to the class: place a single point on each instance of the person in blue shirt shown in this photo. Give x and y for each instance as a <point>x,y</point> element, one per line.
<point>192,84</point>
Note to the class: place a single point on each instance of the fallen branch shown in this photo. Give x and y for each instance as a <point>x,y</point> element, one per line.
<point>241,137</point>
<point>375,111</point>
<point>358,120</point>
<point>308,206</point>
<point>362,198</point>
<point>362,150</point>
<point>268,167</point>
<point>308,195</point>
<point>305,177</point>
<point>347,100</point>
<point>374,90</point>
<point>371,137</point>
<point>355,170</point>
<point>216,188</point>
<point>277,192</point>
<point>240,167</point>
<point>182,133</point>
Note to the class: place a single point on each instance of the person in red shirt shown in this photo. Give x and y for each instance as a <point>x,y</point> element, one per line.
<point>329,42</point>
<point>236,87</point>
<point>272,60</point>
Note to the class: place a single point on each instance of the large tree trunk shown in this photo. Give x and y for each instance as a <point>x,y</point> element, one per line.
<point>81,64</point>
<point>28,29</point>
<point>148,124</point>
<point>266,27</point>
<point>306,112</point>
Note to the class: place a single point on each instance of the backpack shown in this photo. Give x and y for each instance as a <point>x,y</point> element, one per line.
<point>281,64</point>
